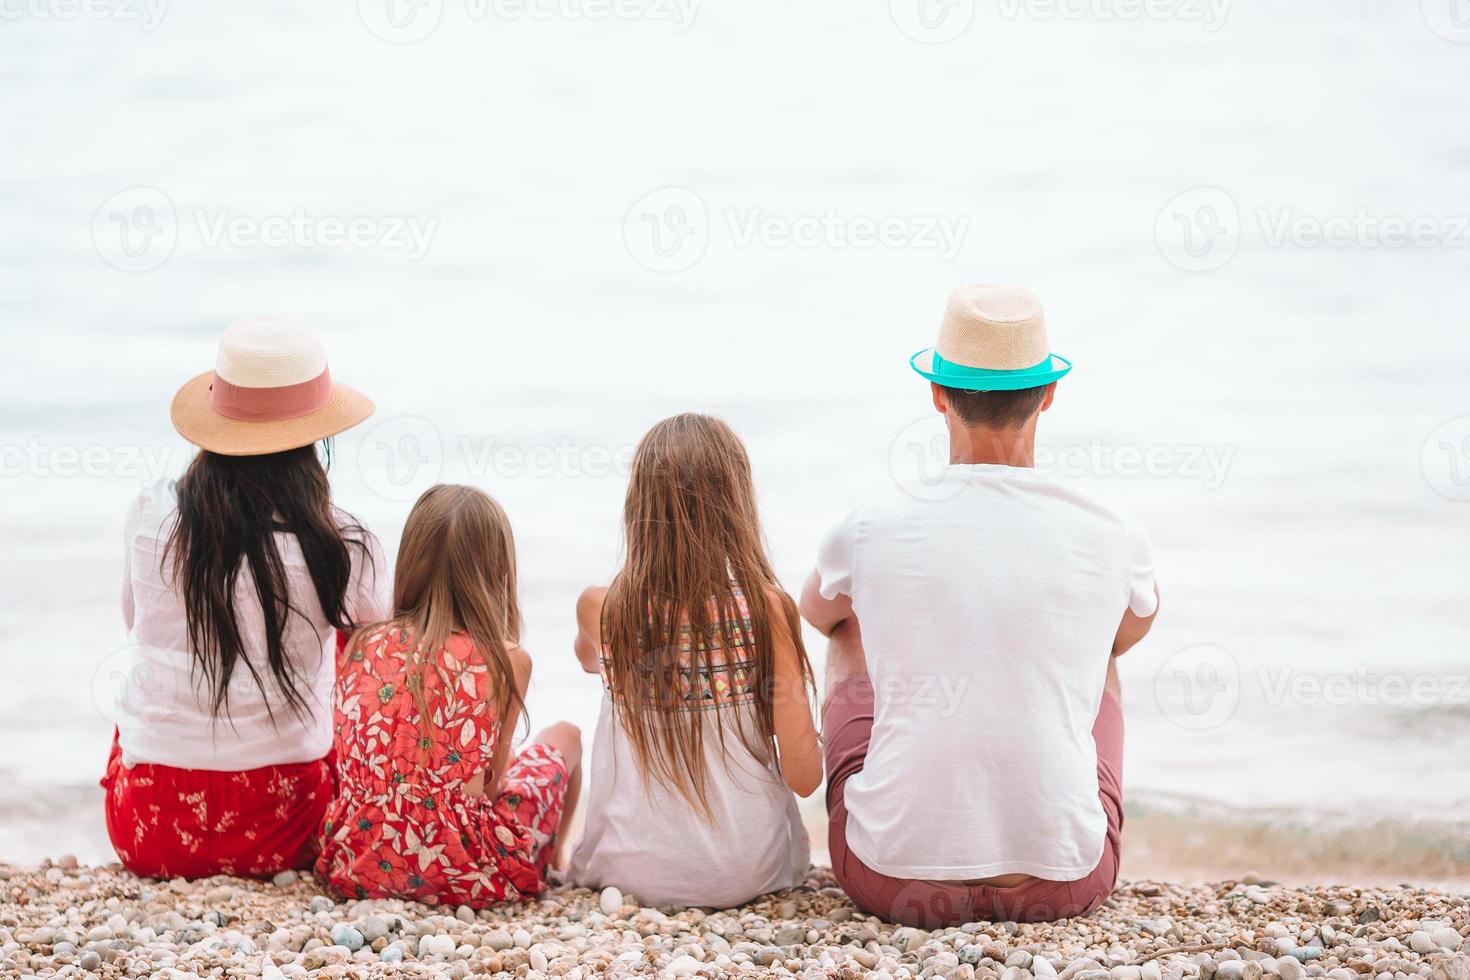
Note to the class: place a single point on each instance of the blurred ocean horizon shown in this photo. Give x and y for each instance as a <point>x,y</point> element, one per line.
<point>528,236</point>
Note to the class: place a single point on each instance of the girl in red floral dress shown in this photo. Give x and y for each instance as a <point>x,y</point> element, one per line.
<point>431,805</point>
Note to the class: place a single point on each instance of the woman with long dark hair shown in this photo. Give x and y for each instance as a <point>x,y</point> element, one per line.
<point>236,578</point>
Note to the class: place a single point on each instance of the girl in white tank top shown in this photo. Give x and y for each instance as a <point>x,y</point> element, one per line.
<point>706,734</point>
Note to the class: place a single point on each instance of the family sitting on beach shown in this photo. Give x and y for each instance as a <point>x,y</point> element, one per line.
<point>307,709</point>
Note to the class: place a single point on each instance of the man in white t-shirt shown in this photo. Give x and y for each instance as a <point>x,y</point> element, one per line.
<point>973,729</point>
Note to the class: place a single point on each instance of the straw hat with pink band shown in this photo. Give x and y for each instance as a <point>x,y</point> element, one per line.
<point>270,391</point>
<point>992,338</point>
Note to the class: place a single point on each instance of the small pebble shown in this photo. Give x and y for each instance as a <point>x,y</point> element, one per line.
<point>1446,937</point>
<point>345,935</point>
<point>610,901</point>
<point>682,966</point>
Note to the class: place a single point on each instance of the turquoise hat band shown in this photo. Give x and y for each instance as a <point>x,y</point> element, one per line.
<point>952,375</point>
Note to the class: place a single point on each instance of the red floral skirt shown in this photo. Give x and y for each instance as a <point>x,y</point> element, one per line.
<point>193,823</point>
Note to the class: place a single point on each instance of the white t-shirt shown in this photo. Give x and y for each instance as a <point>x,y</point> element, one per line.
<point>988,609</point>
<point>162,706</point>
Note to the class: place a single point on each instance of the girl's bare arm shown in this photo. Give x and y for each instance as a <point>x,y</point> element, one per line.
<point>520,661</point>
<point>796,733</point>
<point>589,628</point>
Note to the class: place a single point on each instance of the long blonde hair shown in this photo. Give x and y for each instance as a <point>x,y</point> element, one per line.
<point>693,537</point>
<point>457,571</point>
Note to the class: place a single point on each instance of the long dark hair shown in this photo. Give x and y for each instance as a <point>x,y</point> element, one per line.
<point>230,509</point>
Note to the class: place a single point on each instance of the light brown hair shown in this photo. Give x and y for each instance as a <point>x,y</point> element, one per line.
<point>456,571</point>
<point>692,537</point>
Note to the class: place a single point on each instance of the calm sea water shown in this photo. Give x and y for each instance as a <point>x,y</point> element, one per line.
<point>534,231</point>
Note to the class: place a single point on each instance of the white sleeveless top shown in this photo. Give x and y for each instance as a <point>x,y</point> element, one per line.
<point>160,707</point>
<point>644,838</point>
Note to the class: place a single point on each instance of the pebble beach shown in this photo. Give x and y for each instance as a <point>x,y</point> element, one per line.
<point>68,920</point>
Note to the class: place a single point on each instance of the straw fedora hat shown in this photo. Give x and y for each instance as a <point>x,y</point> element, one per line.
<point>270,391</point>
<point>993,338</point>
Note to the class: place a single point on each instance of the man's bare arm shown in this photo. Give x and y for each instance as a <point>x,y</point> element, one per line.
<point>824,614</point>
<point>1134,628</point>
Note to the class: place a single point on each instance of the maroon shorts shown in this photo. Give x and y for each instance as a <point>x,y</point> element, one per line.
<point>847,725</point>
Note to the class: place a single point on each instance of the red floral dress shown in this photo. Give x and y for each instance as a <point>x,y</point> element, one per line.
<point>403,824</point>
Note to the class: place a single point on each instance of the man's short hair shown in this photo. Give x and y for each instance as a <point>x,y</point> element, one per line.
<point>995,409</point>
